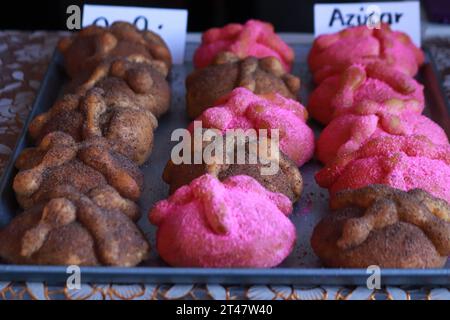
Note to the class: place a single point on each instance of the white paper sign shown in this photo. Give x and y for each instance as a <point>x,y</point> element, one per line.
<point>403,16</point>
<point>170,24</point>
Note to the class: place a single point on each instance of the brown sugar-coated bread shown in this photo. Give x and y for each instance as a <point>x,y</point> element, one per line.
<point>383,226</point>
<point>286,180</point>
<point>262,76</point>
<point>74,229</point>
<point>127,127</point>
<point>65,116</point>
<point>128,82</point>
<point>94,44</point>
<point>59,160</point>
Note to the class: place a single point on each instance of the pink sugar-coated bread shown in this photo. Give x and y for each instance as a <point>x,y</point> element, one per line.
<point>372,88</point>
<point>332,53</point>
<point>402,162</point>
<point>234,223</point>
<point>242,109</point>
<point>348,133</point>
<point>254,38</point>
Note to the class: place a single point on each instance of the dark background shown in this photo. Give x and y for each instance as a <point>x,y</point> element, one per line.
<point>286,15</point>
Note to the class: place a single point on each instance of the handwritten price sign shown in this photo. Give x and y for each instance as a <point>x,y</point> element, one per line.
<point>401,15</point>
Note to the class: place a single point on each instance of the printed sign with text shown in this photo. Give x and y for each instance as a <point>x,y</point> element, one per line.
<point>401,15</point>
<point>170,24</point>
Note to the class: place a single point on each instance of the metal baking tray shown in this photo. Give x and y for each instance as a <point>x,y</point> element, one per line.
<point>301,267</point>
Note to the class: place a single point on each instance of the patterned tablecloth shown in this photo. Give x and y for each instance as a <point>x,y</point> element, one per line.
<point>24,57</point>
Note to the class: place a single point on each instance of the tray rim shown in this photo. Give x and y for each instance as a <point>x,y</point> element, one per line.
<point>101,274</point>
<point>438,76</point>
<point>289,276</point>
